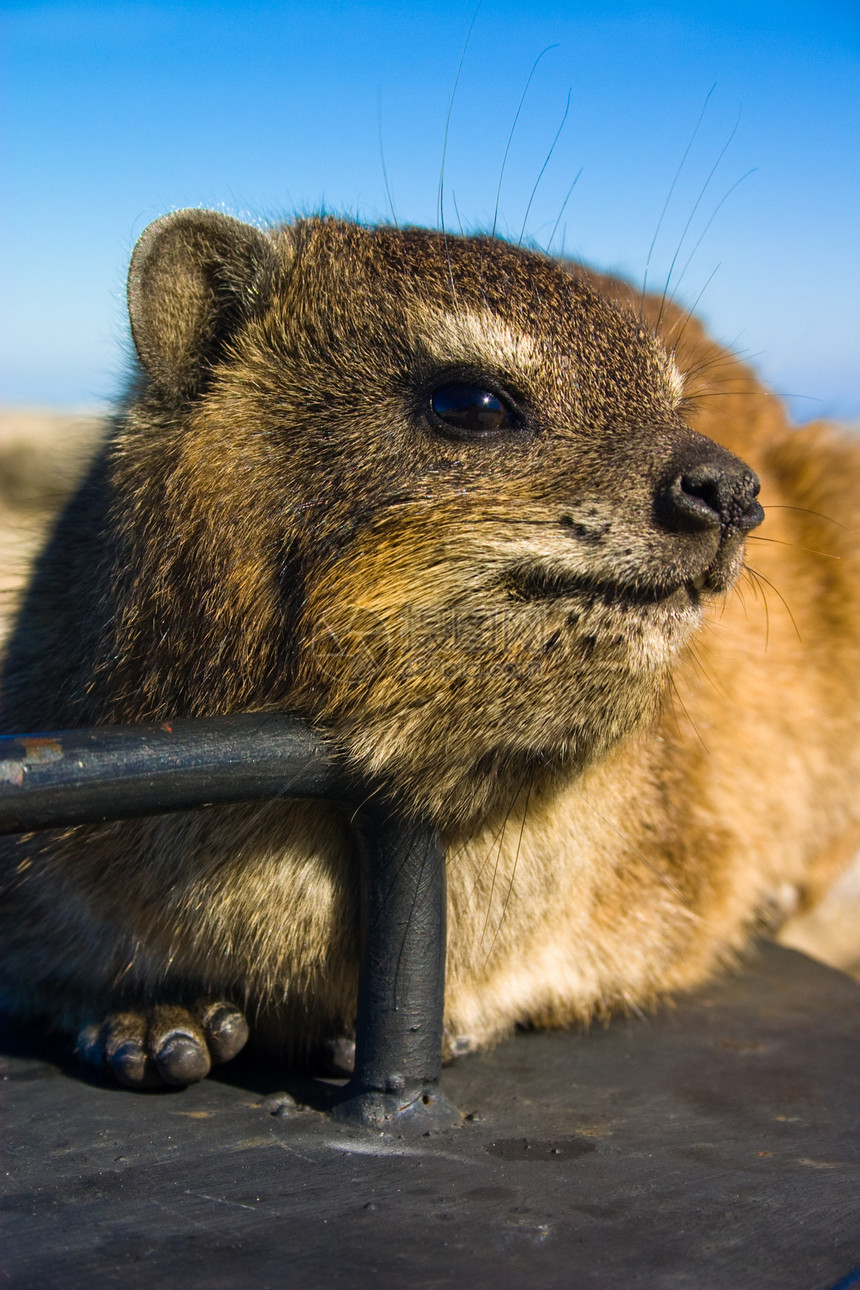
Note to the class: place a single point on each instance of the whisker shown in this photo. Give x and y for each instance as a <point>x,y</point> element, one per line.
<point>691,217</point>
<point>758,537</point>
<point>758,575</point>
<point>690,314</point>
<point>560,213</point>
<point>757,590</point>
<point>671,191</point>
<point>543,168</point>
<point>495,840</point>
<point>440,217</point>
<point>700,396</point>
<point>511,135</point>
<point>382,157</point>
<point>496,865</point>
<point>697,662</point>
<point>457,211</point>
<point>738,591</point>
<point>804,510</point>
<point>693,725</point>
<point>703,234</point>
<point>407,861</point>
<point>513,869</point>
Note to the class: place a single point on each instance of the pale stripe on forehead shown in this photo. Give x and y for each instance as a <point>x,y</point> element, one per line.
<point>479,336</point>
<point>469,335</point>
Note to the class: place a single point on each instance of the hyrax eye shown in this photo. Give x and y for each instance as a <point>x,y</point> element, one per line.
<point>469,412</point>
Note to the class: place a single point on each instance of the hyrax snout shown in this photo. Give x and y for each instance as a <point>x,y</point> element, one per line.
<point>710,489</point>
<point>488,518</point>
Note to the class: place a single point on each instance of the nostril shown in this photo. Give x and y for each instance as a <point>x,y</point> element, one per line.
<point>712,494</point>
<point>700,492</point>
<point>694,498</point>
<point>706,483</point>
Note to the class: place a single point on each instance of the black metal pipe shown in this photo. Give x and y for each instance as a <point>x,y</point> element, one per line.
<point>401,994</point>
<point>67,777</point>
<point>71,777</point>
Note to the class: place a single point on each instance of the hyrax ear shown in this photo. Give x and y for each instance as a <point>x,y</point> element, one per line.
<point>194,276</point>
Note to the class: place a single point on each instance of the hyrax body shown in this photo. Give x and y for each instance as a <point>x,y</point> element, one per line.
<point>478,514</point>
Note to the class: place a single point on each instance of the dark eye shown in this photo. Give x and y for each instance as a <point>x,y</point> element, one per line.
<point>468,412</point>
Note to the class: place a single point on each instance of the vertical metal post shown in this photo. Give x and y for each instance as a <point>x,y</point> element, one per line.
<point>401,993</point>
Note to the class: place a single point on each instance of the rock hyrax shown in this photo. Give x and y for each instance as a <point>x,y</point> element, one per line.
<point>493,521</point>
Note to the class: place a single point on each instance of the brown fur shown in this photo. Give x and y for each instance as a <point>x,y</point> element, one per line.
<point>503,632</point>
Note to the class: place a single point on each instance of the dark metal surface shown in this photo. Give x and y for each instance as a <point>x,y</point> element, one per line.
<point>711,1147</point>
<point>116,772</point>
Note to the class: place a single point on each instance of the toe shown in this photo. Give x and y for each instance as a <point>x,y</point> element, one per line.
<point>225,1028</point>
<point>178,1045</point>
<point>90,1045</point>
<point>126,1051</point>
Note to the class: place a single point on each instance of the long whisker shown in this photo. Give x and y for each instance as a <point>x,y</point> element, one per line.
<point>804,510</point>
<point>457,211</point>
<point>697,662</point>
<point>440,217</point>
<point>676,339</point>
<point>495,843</point>
<point>513,870</point>
<point>543,168</point>
<point>758,537</point>
<point>560,213</point>
<point>701,238</point>
<point>756,589</point>
<point>496,865</point>
<point>692,214</point>
<point>738,591</point>
<point>693,725</point>
<point>511,135</point>
<point>671,191</point>
<point>760,576</point>
<point>382,157</point>
<point>407,861</point>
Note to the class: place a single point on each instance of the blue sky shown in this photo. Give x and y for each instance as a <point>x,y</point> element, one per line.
<point>115,113</point>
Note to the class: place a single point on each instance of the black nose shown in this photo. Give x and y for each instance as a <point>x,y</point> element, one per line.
<point>717,491</point>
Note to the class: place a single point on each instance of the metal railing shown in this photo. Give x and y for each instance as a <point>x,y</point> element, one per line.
<point>73,777</point>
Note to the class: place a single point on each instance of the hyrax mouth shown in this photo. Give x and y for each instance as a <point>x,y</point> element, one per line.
<point>691,545</point>
<point>537,583</point>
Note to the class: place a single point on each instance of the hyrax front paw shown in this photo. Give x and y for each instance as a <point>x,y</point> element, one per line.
<point>166,1044</point>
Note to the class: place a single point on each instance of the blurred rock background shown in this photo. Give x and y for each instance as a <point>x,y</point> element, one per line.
<point>42,454</point>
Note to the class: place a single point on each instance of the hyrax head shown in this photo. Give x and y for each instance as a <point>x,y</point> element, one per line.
<point>438,491</point>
